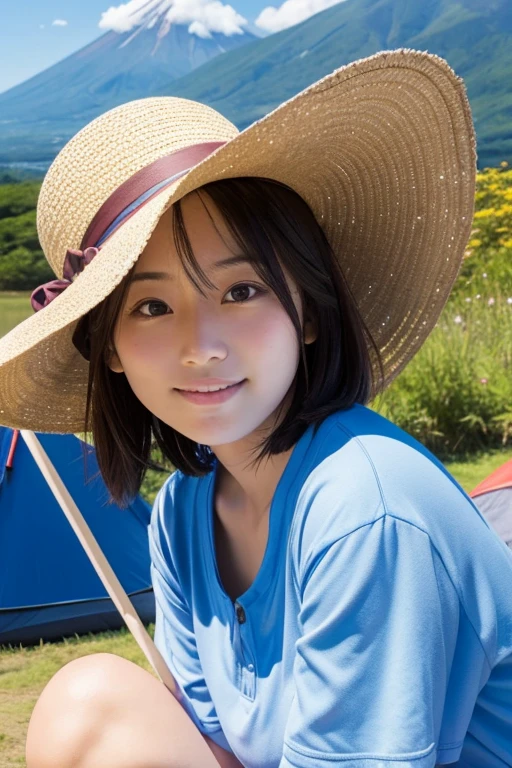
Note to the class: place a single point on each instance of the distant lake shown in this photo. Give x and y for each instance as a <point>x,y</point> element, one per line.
<point>35,166</point>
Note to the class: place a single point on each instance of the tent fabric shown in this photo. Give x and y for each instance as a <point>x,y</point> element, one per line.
<point>500,478</point>
<point>496,507</point>
<point>48,587</point>
<point>493,497</point>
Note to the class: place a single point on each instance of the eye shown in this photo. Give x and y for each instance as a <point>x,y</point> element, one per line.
<point>241,290</point>
<point>150,303</point>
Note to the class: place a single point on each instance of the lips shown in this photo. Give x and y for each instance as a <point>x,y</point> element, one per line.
<point>195,386</point>
<point>212,398</point>
<point>221,387</point>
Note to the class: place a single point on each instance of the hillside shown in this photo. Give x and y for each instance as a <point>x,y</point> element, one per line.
<point>475,36</point>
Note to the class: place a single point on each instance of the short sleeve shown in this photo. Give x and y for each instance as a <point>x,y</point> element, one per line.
<point>379,619</point>
<point>174,638</point>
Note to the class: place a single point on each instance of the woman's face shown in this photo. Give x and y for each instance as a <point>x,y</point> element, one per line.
<point>168,337</point>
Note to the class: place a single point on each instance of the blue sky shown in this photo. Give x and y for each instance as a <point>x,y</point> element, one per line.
<point>37,33</point>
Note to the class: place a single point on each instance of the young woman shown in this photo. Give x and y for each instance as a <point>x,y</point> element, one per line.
<point>326,593</point>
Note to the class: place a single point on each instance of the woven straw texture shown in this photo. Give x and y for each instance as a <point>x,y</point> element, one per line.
<point>383,151</point>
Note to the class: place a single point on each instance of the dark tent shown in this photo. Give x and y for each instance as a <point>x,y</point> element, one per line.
<point>493,497</point>
<point>48,586</point>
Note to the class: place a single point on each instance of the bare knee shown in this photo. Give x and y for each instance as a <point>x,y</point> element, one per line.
<point>103,710</point>
<point>72,710</point>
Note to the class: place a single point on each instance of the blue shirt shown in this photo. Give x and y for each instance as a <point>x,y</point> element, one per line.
<point>378,630</point>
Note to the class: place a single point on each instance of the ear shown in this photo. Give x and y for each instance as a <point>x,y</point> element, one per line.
<point>114,362</point>
<point>310,330</point>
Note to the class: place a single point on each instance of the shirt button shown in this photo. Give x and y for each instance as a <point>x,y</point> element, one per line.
<point>240,614</point>
<point>250,667</point>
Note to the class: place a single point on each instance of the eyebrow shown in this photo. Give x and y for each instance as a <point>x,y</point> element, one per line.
<point>222,264</point>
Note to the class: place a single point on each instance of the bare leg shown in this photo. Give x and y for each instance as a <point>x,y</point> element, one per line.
<point>103,711</point>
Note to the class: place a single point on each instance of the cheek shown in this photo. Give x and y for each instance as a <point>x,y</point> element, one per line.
<point>271,336</point>
<point>140,351</point>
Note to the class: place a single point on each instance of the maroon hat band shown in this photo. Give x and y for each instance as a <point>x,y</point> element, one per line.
<point>122,204</point>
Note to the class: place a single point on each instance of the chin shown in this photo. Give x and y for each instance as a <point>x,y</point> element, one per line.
<point>215,438</point>
<point>221,435</point>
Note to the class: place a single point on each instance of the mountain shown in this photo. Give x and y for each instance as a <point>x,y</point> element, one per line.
<point>115,68</point>
<point>244,84</point>
<point>474,36</point>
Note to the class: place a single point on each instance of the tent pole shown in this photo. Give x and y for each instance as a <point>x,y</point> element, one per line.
<point>100,562</point>
<point>10,457</point>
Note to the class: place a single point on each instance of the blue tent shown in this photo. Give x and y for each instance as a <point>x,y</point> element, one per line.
<point>48,587</point>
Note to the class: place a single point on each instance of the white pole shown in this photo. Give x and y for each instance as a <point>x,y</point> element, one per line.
<point>100,562</point>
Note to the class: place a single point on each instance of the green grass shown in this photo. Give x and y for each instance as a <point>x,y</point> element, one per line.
<point>14,307</point>
<point>471,472</point>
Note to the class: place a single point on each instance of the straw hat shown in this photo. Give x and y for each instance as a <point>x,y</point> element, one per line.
<point>382,150</point>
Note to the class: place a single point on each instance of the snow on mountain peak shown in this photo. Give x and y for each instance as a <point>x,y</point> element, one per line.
<point>202,16</point>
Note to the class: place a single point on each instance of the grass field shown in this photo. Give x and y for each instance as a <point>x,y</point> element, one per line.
<point>24,672</point>
<point>14,307</point>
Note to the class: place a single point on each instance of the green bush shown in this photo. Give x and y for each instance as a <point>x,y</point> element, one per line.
<point>23,265</point>
<point>455,395</point>
<point>23,269</point>
<point>488,257</point>
<point>19,231</point>
<point>18,198</point>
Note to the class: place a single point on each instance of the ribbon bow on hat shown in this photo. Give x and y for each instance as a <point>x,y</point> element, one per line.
<point>74,263</point>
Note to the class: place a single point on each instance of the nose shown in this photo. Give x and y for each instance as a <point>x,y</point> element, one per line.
<point>201,337</point>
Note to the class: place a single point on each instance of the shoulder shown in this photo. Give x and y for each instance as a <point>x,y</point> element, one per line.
<point>173,508</point>
<point>177,490</point>
<point>376,496</point>
<point>371,468</point>
<point>402,468</point>
<point>167,496</point>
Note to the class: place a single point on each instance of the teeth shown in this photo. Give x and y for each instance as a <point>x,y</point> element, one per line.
<point>208,389</point>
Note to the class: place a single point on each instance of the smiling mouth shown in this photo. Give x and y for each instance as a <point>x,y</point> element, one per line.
<point>217,396</point>
<point>208,391</point>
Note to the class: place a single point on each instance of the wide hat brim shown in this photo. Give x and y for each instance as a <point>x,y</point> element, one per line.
<point>383,151</point>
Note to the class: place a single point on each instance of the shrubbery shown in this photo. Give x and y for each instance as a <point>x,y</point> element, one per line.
<point>455,395</point>
<point>22,262</point>
<point>17,198</point>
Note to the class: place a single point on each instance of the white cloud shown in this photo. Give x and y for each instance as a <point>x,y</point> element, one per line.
<point>202,16</point>
<point>291,12</point>
<point>199,28</point>
<point>59,23</point>
<point>41,26</point>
